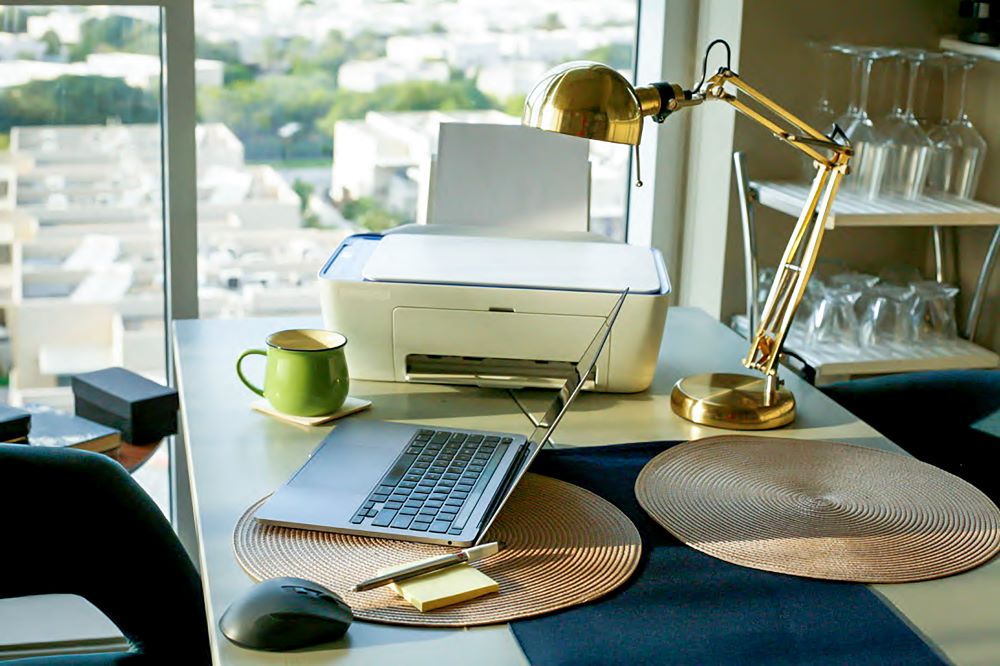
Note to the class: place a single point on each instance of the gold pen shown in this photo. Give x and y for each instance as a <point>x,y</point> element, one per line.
<point>473,554</point>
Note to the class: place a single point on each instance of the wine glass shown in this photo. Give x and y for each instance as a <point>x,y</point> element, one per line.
<point>822,115</point>
<point>908,147</point>
<point>959,149</point>
<point>868,163</point>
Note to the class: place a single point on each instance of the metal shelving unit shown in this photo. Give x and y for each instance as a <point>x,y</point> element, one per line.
<point>836,362</point>
<point>832,362</point>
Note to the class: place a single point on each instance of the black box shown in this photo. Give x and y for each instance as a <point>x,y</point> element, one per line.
<point>142,410</point>
<point>14,424</point>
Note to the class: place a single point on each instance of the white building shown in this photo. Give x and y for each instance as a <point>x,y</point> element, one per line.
<point>415,48</point>
<point>136,69</point>
<point>387,157</point>
<point>16,46</point>
<point>508,79</point>
<point>81,248</point>
<point>370,75</point>
<point>65,25</point>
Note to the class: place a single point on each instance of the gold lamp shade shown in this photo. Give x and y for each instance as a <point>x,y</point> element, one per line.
<point>586,99</point>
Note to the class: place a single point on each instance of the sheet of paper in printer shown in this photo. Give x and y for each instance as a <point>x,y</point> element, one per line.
<point>510,176</point>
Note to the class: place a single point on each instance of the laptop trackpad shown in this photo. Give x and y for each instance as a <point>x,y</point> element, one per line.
<point>339,474</point>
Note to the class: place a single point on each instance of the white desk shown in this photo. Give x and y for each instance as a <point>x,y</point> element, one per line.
<point>236,456</point>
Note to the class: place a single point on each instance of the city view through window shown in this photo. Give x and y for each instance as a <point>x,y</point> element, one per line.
<point>316,119</point>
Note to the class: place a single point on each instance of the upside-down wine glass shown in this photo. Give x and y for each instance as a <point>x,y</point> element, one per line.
<point>908,147</point>
<point>868,163</point>
<point>959,149</point>
<point>823,114</point>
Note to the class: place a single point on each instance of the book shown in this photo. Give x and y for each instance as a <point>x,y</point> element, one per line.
<point>446,587</point>
<point>55,428</point>
<point>14,424</point>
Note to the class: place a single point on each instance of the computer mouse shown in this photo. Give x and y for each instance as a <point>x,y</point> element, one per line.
<point>286,614</point>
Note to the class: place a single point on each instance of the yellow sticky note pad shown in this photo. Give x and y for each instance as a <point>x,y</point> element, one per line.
<point>446,587</point>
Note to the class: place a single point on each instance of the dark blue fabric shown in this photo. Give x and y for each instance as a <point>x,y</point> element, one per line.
<point>684,607</point>
<point>953,405</point>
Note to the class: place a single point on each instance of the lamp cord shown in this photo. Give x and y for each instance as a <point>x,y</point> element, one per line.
<point>704,62</point>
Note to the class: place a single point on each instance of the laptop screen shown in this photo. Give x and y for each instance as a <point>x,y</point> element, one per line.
<point>553,415</point>
<point>574,382</point>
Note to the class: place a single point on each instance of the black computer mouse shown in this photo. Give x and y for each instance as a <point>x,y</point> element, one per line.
<point>286,614</point>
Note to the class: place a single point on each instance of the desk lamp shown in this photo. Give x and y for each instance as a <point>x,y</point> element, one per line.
<point>591,100</point>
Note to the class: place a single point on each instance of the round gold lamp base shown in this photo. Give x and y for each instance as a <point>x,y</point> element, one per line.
<point>733,401</point>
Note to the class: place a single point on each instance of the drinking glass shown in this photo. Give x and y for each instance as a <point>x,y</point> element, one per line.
<point>885,318</point>
<point>822,115</point>
<point>853,281</point>
<point>959,149</point>
<point>908,146</point>
<point>868,163</point>
<point>833,319</point>
<point>932,311</point>
<point>900,275</point>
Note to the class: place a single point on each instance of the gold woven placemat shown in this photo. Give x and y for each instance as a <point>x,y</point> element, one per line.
<point>819,509</point>
<point>565,546</point>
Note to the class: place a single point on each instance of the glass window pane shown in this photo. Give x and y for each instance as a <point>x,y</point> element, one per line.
<point>318,119</point>
<point>81,215</point>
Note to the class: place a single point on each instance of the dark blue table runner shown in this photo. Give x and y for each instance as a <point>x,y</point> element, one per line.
<point>684,607</point>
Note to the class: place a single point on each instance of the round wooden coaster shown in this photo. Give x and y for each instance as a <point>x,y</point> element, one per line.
<point>565,546</point>
<point>819,509</point>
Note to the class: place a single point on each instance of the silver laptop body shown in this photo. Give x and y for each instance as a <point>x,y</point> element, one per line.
<point>419,483</point>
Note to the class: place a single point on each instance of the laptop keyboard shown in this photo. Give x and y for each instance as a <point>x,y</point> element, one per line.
<point>434,483</point>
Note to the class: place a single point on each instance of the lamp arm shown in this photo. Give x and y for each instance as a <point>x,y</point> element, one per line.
<point>799,257</point>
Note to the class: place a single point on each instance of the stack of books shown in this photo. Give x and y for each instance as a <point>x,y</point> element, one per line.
<point>39,425</point>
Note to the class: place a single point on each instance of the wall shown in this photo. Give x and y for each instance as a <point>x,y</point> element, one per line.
<point>775,58</point>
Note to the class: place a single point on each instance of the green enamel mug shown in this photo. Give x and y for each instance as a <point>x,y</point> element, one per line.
<point>306,373</point>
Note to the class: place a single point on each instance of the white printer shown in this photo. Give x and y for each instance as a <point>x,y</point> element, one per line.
<point>457,306</point>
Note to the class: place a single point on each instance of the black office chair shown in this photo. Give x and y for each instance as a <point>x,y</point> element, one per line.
<point>76,523</point>
<point>938,417</point>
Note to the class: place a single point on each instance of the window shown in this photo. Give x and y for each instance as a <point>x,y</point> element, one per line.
<point>81,207</point>
<point>317,119</point>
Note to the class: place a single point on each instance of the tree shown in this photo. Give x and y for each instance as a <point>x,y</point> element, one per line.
<point>77,100</point>
<point>368,213</point>
<point>53,45</point>
<point>616,56</point>
<point>304,190</point>
<point>116,33</point>
<point>409,96</point>
<point>551,22</point>
<point>514,105</point>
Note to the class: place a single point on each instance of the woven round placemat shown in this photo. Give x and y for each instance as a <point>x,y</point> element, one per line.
<point>565,546</point>
<point>819,509</point>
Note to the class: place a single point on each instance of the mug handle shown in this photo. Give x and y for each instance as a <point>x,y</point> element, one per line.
<point>239,371</point>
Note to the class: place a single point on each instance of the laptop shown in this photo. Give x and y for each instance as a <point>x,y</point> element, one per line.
<point>419,483</point>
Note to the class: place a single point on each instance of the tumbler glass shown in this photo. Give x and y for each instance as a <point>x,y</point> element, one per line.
<point>932,311</point>
<point>885,318</point>
<point>833,319</point>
